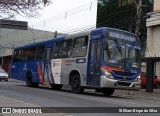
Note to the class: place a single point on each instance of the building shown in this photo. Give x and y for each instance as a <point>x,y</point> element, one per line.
<point>153,37</point>
<point>121,14</point>
<point>17,33</point>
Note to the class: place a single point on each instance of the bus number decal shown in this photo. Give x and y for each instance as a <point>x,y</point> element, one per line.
<point>69,62</point>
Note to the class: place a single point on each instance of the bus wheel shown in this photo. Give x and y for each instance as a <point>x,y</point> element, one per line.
<point>108,91</point>
<point>56,86</point>
<point>29,82</point>
<point>35,84</point>
<point>76,84</point>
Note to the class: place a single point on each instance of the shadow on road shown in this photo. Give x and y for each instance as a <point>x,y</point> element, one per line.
<point>86,92</point>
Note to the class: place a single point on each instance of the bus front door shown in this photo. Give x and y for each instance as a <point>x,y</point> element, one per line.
<point>94,63</point>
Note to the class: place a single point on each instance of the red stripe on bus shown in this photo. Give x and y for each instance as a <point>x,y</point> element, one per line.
<point>110,69</point>
<point>40,74</point>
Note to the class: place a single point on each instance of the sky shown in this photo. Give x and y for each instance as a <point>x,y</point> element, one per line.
<point>65,16</point>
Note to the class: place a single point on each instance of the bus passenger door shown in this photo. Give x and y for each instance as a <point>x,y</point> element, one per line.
<point>94,63</point>
<point>47,66</point>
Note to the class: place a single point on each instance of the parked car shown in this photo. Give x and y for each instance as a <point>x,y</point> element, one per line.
<point>3,75</point>
<point>156,81</point>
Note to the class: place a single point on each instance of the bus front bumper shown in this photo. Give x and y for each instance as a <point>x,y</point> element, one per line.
<point>117,84</point>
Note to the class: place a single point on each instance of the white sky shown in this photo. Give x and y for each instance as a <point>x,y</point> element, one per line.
<point>81,18</point>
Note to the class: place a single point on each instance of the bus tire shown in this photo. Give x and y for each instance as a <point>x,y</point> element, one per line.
<point>108,91</point>
<point>76,84</point>
<point>56,86</point>
<point>35,85</point>
<point>29,82</point>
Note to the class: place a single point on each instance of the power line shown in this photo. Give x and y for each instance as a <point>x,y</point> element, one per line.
<point>61,16</point>
<point>70,31</point>
<point>74,30</point>
<point>66,14</point>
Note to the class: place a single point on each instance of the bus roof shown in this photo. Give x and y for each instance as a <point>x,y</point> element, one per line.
<point>109,28</point>
<point>85,32</point>
<point>40,43</point>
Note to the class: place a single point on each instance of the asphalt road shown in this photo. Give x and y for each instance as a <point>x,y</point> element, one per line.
<point>44,96</point>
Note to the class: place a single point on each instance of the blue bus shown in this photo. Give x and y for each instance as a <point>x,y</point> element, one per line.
<point>103,59</point>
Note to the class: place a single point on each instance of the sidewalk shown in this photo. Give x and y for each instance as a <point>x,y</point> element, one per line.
<point>140,94</point>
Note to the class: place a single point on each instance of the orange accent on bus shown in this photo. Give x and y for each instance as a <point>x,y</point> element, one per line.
<point>110,69</point>
<point>40,74</point>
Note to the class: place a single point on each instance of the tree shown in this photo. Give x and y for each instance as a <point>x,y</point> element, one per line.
<point>28,8</point>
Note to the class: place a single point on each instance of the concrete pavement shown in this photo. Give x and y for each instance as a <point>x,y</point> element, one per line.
<point>119,96</point>
<point>140,94</point>
<point>6,102</point>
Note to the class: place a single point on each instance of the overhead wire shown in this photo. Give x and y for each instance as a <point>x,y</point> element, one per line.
<point>52,19</point>
<point>65,14</point>
<point>69,31</point>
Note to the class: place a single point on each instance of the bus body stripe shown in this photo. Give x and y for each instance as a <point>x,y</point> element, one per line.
<point>40,74</point>
<point>111,68</point>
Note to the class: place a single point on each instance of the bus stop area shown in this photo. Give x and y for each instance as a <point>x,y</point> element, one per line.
<point>141,94</point>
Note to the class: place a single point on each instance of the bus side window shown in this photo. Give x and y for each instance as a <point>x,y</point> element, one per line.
<point>32,53</point>
<point>65,48</point>
<point>56,51</point>
<point>52,52</point>
<point>80,46</point>
<point>24,54</point>
<point>40,52</point>
<point>16,56</point>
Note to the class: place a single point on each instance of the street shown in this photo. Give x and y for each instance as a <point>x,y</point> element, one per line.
<point>14,93</point>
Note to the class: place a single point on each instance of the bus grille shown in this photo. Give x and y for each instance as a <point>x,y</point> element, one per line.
<point>123,73</point>
<point>123,83</point>
<point>122,78</point>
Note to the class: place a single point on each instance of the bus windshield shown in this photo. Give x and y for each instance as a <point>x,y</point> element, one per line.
<point>121,54</point>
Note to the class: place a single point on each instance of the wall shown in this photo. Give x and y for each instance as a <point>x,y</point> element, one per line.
<point>153,36</point>
<point>10,38</point>
<point>156,5</point>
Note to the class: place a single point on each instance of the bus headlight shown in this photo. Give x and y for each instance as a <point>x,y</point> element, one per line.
<point>137,79</point>
<point>107,74</point>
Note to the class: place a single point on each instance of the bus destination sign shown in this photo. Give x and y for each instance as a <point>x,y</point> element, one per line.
<point>122,36</point>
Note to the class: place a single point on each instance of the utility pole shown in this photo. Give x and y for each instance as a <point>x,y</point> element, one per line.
<point>139,6</point>
<point>55,34</point>
<point>150,63</point>
<point>138,15</point>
